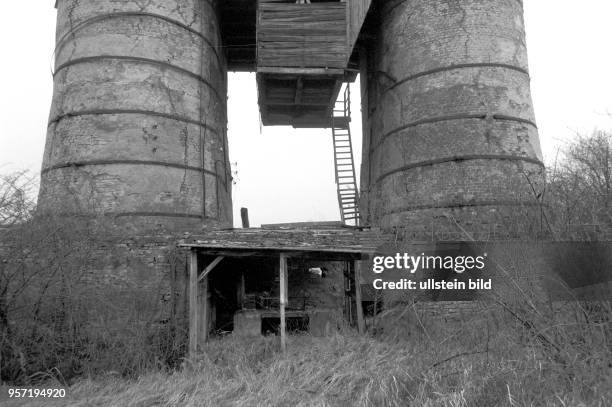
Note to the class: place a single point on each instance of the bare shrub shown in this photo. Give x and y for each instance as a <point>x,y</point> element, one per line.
<point>17,197</point>
<point>60,316</point>
<point>579,189</point>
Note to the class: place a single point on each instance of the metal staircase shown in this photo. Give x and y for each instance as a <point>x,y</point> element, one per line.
<point>346,181</point>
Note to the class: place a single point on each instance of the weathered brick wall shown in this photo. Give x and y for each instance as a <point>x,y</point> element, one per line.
<point>449,127</point>
<point>148,270</point>
<point>322,292</point>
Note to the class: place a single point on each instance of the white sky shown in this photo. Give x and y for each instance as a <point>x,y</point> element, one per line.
<point>285,175</point>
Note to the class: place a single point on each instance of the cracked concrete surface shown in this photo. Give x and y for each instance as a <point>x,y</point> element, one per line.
<point>450,113</point>
<point>136,82</point>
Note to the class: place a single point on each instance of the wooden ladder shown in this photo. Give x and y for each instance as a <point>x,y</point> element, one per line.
<point>346,181</point>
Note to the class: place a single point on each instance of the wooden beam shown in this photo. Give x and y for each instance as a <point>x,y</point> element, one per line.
<point>300,71</point>
<point>281,103</point>
<point>241,290</point>
<point>334,98</point>
<point>204,312</point>
<point>244,215</point>
<point>235,250</point>
<point>210,267</point>
<point>317,78</point>
<point>358,303</point>
<point>262,97</point>
<point>193,303</point>
<point>298,91</point>
<point>283,301</point>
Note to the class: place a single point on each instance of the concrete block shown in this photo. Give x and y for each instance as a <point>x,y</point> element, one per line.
<point>247,323</point>
<point>322,322</point>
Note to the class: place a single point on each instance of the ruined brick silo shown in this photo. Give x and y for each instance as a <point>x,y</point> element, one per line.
<point>449,129</point>
<point>137,128</point>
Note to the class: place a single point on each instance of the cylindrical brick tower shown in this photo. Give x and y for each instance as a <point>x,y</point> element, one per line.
<point>449,128</point>
<point>138,122</point>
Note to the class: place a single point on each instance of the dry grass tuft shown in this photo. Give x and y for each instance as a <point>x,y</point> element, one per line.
<point>484,360</point>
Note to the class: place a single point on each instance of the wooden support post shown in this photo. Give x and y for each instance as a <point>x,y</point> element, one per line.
<point>358,302</point>
<point>283,300</point>
<point>244,215</point>
<point>193,303</point>
<point>298,91</point>
<point>203,312</point>
<point>240,291</point>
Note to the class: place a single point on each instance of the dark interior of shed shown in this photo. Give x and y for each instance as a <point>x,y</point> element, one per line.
<point>251,283</point>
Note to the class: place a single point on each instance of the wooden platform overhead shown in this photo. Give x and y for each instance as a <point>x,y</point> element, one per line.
<point>301,53</point>
<point>301,35</point>
<point>298,100</point>
<point>302,59</point>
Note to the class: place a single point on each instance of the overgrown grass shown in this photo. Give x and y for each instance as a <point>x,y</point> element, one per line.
<point>491,359</point>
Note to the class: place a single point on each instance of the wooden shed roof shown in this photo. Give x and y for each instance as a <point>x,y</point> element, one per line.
<point>309,238</point>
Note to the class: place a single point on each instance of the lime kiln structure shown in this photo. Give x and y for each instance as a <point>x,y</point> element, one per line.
<point>138,122</point>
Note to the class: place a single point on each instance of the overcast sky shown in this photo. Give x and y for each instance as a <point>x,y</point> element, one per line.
<point>286,175</point>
